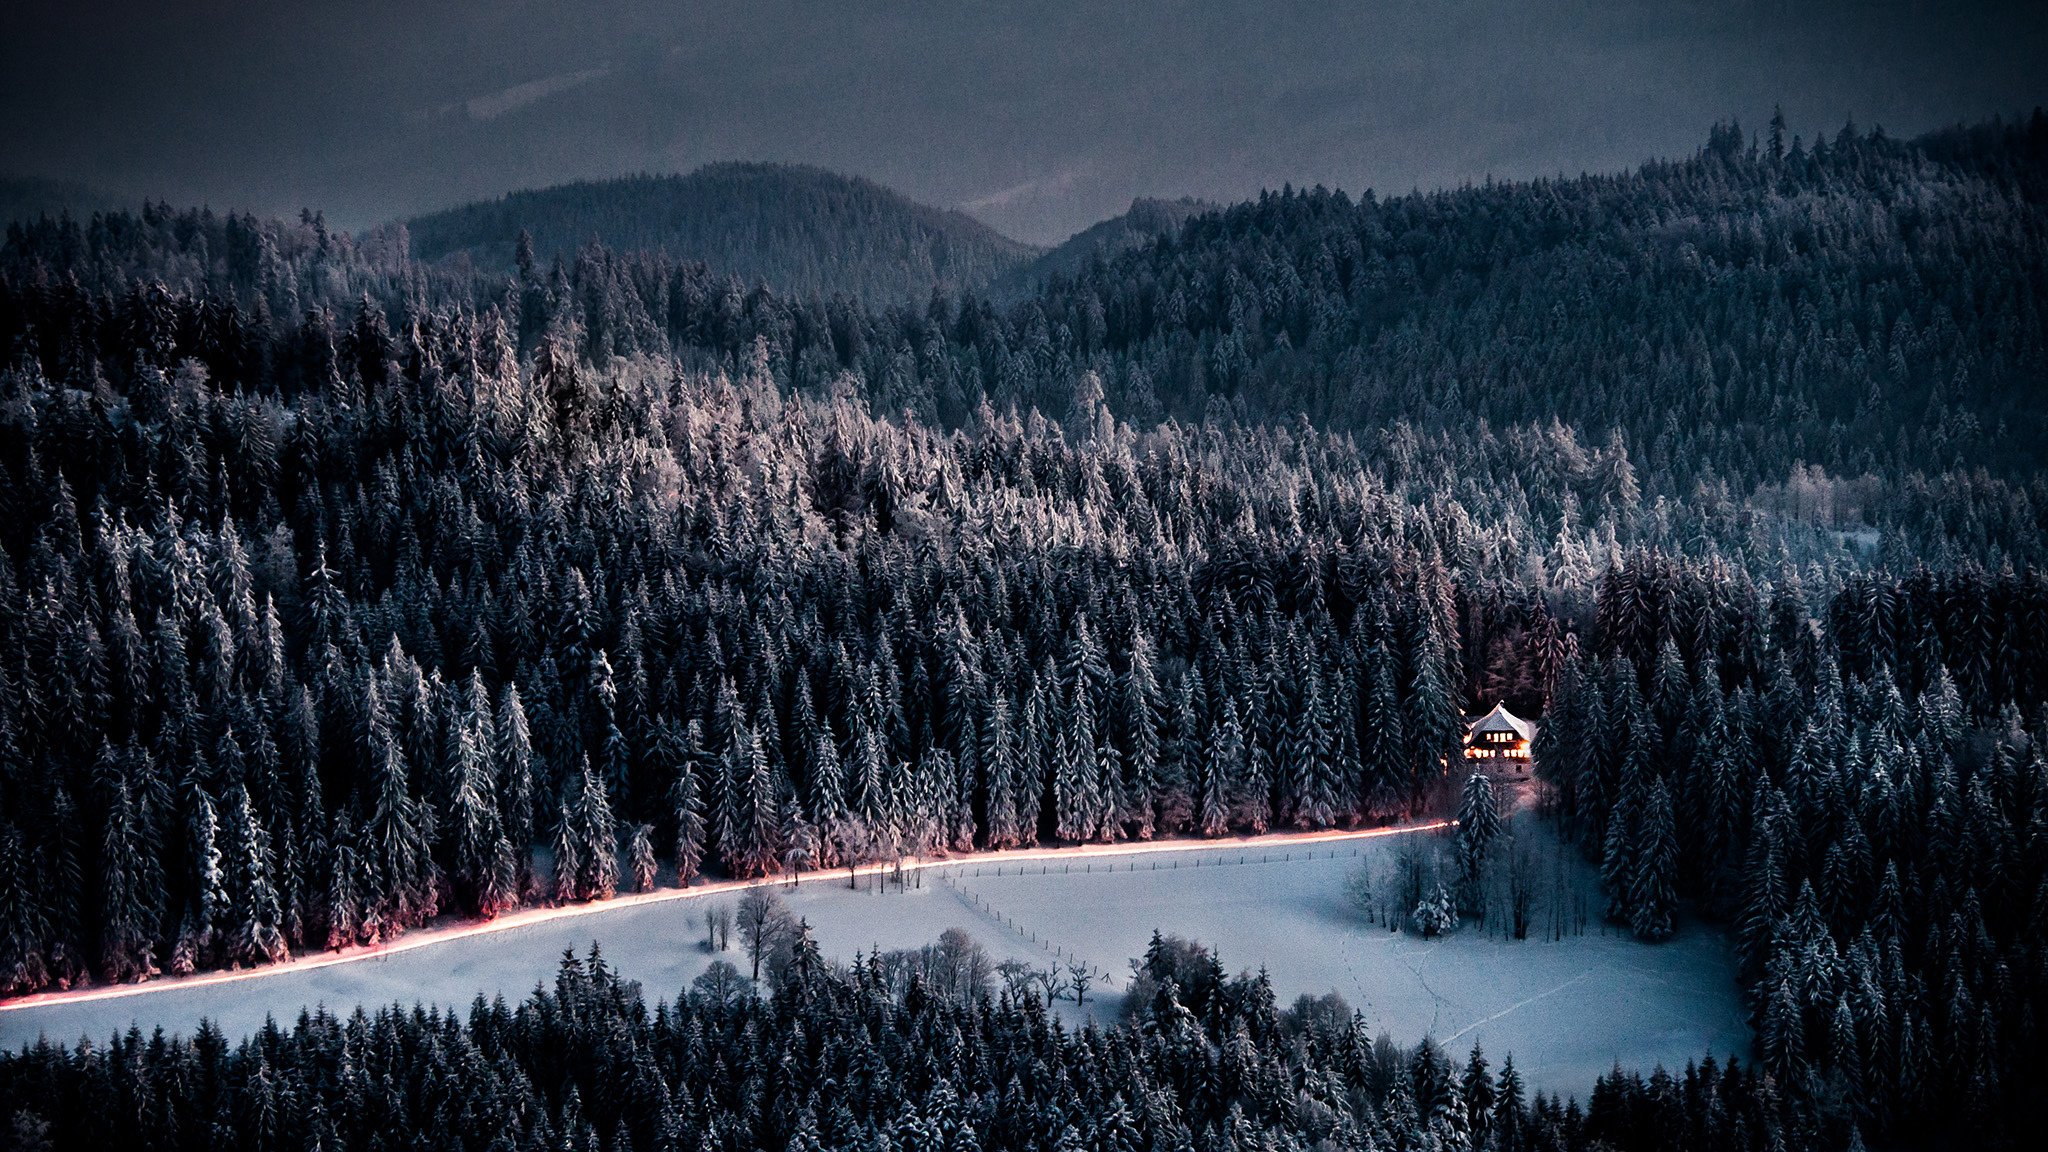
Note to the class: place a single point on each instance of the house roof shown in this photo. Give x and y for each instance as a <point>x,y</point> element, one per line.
<point>1502,720</point>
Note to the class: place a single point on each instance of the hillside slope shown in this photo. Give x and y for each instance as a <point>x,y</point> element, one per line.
<point>1149,218</point>
<point>803,230</point>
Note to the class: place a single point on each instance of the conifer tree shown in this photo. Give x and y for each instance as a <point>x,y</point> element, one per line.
<point>128,893</point>
<point>1225,759</point>
<point>255,935</point>
<point>1433,720</point>
<point>1383,741</point>
<point>1479,827</point>
<point>398,859</point>
<point>483,869</point>
<point>1076,781</point>
<point>23,967</point>
<point>595,833</point>
<point>681,752</point>
<point>640,857</point>
<point>1139,729</point>
<point>1004,822</point>
<point>1308,755</point>
<point>344,896</point>
<point>1654,864</point>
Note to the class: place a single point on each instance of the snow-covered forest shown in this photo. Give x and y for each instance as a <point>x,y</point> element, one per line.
<point>338,592</point>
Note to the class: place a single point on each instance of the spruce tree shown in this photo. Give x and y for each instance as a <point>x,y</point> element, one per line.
<point>483,869</point>
<point>1652,898</point>
<point>255,935</point>
<point>128,901</point>
<point>23,967</point>
<point>1076,784</point>
<point>1479,826</point>
<point>396,850</point>
<point>1224,760</point>
<point>596,834</point>
<point>1139,727</point>
<point>679,749</point>
<point>1383,740</point>
<point>640,857</point>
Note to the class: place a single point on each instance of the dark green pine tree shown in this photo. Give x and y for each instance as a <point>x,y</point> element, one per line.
<point>867,793</point>
<point>1383,743</point>
<point>679,750</point>
<point>1138,729</point>
<point>1263,715</point>
<point>255,934</point>
<point>1765,898</point>
<point>1034,751</point>
<point>568,861</point>
<point>130,890</point>
<point>513,762</point>
<point>1506,1128</point>
<point>1652,899</point>
<point>1307,752</point>
<point>598,831</point>
<point>586,839</point>
<point>1080,795</point>
<point>1477,1089</point>
<point>1433,716</point>
<point>1076,792</point>
<point>1180,757</point>
<point>754,849</point>
<point>483,869</point>
<point>1479,827</point>
<point>640,858</point>
<point>206,907</point>
<point>397,850</point>
<point>1225,759</point>
<point>1004,826</point>
<point>1563,749</point>
<point>343,899</point>
<point>23,966</point>
<point>1617,853</point>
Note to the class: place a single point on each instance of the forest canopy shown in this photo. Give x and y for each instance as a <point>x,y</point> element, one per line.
<point>339,591</point>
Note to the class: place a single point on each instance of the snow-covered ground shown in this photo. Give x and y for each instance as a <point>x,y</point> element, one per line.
<point>1568,1009</point>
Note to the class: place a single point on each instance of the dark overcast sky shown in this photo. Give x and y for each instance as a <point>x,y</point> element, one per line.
<point>1040,118</point>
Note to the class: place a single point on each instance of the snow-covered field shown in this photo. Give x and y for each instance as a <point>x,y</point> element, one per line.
<point>1568,1009</point>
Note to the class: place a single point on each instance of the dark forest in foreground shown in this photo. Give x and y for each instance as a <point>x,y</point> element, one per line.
<point>333,585</point>
<point>850,1059</point>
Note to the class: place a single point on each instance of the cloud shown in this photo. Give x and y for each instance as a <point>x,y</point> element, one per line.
<point>495,104</point>
<point>1038,187</point>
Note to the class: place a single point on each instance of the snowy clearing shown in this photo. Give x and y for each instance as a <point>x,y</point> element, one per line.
<point>1567,1008</point>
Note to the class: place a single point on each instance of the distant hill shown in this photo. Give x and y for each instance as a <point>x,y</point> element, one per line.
<point>1147,220</point>
<point>802,230</point>
<point>32,197</point>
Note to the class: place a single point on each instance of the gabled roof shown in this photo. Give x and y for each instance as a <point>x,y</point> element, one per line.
<point>1502,720</point>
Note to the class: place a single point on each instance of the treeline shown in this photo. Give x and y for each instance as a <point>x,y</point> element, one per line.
<point>834,1059</point>
<point>1865,803</point>
<point>1864,305</point>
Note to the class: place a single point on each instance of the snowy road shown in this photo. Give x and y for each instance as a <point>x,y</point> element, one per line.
<point>38,1007</point>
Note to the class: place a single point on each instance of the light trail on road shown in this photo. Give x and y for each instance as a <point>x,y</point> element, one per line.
<point>525,918</point>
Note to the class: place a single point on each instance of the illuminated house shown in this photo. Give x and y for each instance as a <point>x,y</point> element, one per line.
<point>1500,735</point>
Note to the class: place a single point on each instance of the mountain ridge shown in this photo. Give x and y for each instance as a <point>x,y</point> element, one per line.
<point>801,229</point>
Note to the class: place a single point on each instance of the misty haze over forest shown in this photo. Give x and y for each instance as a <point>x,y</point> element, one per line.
<point>1039,118</point>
